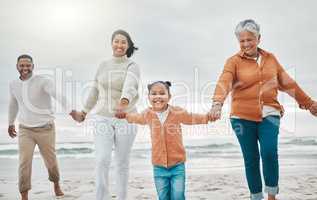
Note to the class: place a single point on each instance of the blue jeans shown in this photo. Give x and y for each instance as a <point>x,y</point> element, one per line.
<point>170,182</point>
<point>249,134</point>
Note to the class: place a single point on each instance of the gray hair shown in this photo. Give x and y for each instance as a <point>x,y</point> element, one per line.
<point>247,25</point>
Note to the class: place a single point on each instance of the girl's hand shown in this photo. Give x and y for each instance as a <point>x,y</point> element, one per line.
<point>313,109</point>
<point>120,110</point>
<point>215,111</point>
<point>121,115</point>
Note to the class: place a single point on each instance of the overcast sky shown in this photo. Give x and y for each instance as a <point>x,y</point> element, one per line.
<point>174,36</point>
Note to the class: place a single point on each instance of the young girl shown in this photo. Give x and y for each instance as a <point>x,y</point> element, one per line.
<point>168,153</point>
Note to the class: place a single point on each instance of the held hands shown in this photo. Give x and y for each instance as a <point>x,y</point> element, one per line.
<point>11,131</point>
<point>313,109</point>
<point>78,116</point>
<point>120,110</point>
<point>215,111</point>
<point>121,115</point>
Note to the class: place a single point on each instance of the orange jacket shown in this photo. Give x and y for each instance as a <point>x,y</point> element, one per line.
<point>253,85</point>
<point>167,142</point>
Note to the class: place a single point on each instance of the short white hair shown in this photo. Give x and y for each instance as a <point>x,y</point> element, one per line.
<point>247,25</point>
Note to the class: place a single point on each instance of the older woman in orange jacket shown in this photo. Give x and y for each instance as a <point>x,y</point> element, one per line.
<point>254,77</point>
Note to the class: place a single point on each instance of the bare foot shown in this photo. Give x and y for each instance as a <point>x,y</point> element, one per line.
<point>271,197</point>
<point>24,195</point>
<point>57,189</point>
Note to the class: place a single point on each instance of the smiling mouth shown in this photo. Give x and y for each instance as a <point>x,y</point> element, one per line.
<point>25,72</point>
<point>158,102</point>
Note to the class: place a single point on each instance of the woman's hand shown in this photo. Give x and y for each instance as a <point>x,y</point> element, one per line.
<point>215,111</point>
<point>78,116</point>
<point>120,109</point>
<point>313,109</point>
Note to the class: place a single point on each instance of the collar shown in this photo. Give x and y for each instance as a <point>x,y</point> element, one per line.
<point>261,52</point>
<point>121,59</point>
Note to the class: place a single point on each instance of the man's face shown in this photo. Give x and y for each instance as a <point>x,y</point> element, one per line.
<point>25,67</point>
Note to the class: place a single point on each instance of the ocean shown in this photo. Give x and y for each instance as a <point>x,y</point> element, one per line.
<point>298,137</point>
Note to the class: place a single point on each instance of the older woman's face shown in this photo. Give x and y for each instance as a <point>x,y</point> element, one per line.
<point>249,43</point>
<point>119,45</point>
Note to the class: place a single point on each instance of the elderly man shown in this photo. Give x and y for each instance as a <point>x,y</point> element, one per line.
<point>31,98</point>
<point>254,77</point>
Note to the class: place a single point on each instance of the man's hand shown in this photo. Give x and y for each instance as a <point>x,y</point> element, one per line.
<point>11,131</point>
<point>78,116</point>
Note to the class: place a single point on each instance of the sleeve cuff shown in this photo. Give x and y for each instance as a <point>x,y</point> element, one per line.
<point>85,110</point>
<point>307,104</point>
<point>126,96</point>
<point>218,100</point>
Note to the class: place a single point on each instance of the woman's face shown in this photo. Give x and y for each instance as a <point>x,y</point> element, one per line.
<point>249,43</point>
<point>119,45</point>
<point>159,97</point>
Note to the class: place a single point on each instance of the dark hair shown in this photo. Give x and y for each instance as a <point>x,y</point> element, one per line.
<point>24,56</point>
<point>131,48</point>
<point>167,85</point>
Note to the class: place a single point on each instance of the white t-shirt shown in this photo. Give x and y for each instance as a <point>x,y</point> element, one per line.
<point>162,115</point>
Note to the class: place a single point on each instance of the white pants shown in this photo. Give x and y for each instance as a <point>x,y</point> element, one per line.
<point>117,133</point>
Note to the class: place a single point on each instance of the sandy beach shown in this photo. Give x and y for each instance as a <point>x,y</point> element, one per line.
<point>214,167</point>
<point>213,178</point>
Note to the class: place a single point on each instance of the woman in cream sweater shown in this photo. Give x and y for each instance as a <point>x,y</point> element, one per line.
<point>115,89</point>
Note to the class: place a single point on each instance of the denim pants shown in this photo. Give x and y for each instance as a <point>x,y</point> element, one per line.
<point>265,133</point>
<point>170,182</point>
<point>116,135</point>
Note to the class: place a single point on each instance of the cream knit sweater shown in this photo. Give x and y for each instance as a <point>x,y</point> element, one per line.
<point>115,79</point>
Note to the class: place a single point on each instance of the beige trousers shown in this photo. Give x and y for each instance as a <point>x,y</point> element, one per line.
<point>44,137</point>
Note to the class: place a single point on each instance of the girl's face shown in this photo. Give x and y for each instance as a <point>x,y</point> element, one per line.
<point>159,97</point>
<point>119,45</point>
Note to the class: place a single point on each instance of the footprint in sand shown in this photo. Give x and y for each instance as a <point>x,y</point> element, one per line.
<point>143,196</point>
<point>66,196</point>
<point>39,192</point>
